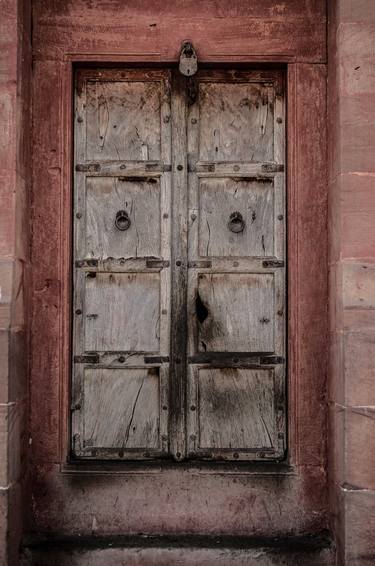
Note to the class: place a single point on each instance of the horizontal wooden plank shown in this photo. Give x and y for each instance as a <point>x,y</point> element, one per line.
<point>299,37</point>
<point>236,359</point>
<point>262,170</point>
<point>188,8</point>
<point>121,75</point>
<point>126,169</point>
<point>120,358</point>
<point>112,264</point>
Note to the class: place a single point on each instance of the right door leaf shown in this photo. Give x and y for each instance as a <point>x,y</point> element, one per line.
<point>236,283</point>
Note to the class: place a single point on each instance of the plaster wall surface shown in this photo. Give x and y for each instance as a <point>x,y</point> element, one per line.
<point>15,165</point>
<point>290,499</point>
<point>352,276</point>
<point>91,32</point>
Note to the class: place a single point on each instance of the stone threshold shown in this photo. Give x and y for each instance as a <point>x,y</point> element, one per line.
<point>306,543</point>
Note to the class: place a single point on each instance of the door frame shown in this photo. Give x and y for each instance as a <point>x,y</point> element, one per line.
<point>302,291</point>
<point>252,499</point>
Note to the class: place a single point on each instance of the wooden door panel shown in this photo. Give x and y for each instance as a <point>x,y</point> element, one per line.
<point>139,198</point>
<point>236,121</point>
<point>236,312</point>
<point>238,413</point>
<point>123,120</point>
<point>122,312</point>
<point>236,217</point>
<point>120,410</point>
<point>235,409</point>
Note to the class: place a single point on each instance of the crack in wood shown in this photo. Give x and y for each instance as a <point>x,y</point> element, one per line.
<point>127,432</point>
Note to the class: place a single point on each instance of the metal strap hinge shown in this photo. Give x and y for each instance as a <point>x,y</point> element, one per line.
<point>88,167</point>
<point>273,263</point>
<point>156,359</point>
<point>272,360</point>
<point>87,359</point>
<point>156,263</point>
<point>200,263</point>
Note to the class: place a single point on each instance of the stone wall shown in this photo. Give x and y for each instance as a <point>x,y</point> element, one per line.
<point>15,65</point>
<point>351,186</point>
<point>352,276</point>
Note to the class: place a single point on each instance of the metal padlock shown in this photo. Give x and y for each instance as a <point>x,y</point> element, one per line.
<point>188,60</point>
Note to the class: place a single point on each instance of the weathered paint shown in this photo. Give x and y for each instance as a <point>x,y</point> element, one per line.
<point>180,498</point>
<point>15,182</point>
<point>352,264</point>
<point>291,31</point>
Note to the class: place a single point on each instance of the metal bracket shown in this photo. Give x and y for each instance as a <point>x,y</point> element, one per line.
<point>156,359</point>
<point>202,264</point>
<point>156,263</point>
<point>88,167</point>
<point>88,359</point>
<point>272,360</point>
<point>273,263</point>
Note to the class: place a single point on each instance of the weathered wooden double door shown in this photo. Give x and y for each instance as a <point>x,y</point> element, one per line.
<point>179,265</point>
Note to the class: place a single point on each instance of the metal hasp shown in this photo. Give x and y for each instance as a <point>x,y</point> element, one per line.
<point>188,60</point>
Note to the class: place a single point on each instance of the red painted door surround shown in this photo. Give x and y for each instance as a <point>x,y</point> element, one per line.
<point>251,498</point>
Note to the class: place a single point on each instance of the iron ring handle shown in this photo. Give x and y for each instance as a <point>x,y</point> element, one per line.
<point>122,220</point>
<point>236,222</point>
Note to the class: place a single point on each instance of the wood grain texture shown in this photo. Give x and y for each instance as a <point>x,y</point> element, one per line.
<point>179,274</point>
<point>235,311</point>
<point>120,409</point>
<point>236,142</point>
<point>122,195</point>
<point>136,8</point>
<point>240,312</point>
<point>236,409</point>
<point>123,120</point>
<point>308,328</point>
<point>282,31</point>
<point>236,122</point>
<point>140,199</point>
<point>47,304</point>
<point>218,200</point>
<point>122,312</point>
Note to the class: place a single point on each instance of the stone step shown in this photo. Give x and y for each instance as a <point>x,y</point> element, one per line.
<point>179,551</point>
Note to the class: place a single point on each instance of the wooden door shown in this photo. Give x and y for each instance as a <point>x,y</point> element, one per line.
<point>179,266</point>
